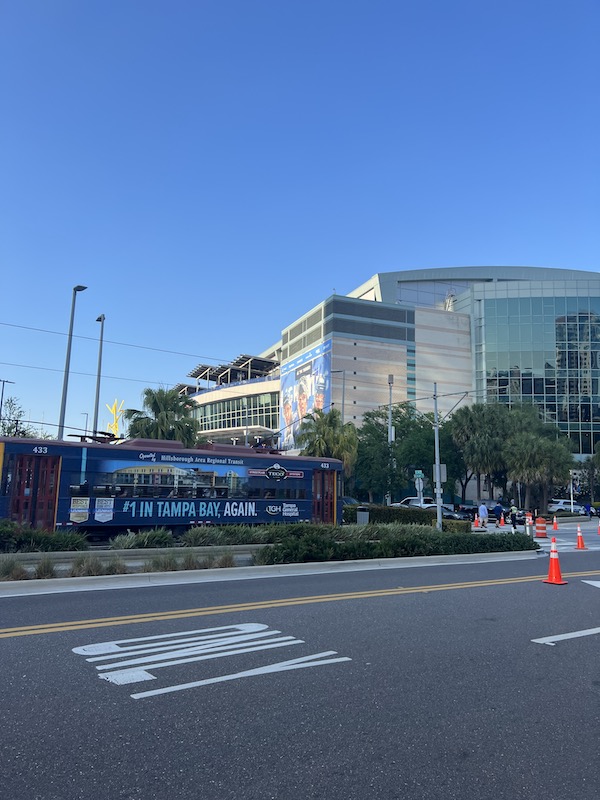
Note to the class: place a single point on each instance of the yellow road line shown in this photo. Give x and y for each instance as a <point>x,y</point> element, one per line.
<point>160,616</point>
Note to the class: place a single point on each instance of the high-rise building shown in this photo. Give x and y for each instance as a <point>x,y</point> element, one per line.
<point>506,334</point>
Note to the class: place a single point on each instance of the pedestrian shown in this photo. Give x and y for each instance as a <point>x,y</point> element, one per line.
<point>498,512</point>
<point>513,516</point>
<point>483,516</point>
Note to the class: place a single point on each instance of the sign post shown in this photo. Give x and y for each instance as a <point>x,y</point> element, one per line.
<point>418,479</point>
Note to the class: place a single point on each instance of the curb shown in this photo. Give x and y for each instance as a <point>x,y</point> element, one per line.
<point>157,579</point>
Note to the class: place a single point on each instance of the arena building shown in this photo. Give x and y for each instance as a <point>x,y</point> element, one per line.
<point>507,334</point>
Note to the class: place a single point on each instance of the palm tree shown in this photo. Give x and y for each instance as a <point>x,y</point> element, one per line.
<point>167,415</point>
<point>480,432</point>
<point>536,460</point>
<point>322,435</point>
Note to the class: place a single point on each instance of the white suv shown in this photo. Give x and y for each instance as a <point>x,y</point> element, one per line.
<point>414,501</point>
<point>425,502</point>
<point>565,505</point>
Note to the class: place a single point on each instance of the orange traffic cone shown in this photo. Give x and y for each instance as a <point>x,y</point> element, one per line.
<point>502,520</point>
<point>580,543</point>
<point>554,575</point>
<point>555,524</point>
<point>476,523</point>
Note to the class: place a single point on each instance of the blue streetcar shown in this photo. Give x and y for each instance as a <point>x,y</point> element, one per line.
<point>143,483</point>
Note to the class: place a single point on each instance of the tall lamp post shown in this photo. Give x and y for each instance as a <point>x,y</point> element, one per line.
<point>100,319</point>
<point>437,466</point>
<point>391,437</point>
<point>63,402</point>
<point>2,381</point>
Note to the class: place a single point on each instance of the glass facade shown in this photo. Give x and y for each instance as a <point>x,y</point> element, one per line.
<point>429,293</point>
<point>260,410</point>
<point>544,350</point>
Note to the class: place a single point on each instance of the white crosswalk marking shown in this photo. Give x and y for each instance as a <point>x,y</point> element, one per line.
<point>128,661</point>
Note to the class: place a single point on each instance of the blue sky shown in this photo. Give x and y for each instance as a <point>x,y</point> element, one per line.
<point>212,169</point>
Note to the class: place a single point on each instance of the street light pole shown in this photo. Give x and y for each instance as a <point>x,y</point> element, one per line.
<point>390,440</point>
<point>100,319</point>
<point>438,471</point>
<point>390,434</point>
<point>86,415</point>
<point>63,402</point>
<point>2,381</point>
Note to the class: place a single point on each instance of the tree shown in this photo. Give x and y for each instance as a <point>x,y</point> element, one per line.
<point>480,431</point>
<point>589,470</point>
<point>372,461</point>
<point>12,423</point>
<point>167,415</point>
<point>380,468</point>
<point>536,460</point>
<point>322,435</point>
<point>452,456</point>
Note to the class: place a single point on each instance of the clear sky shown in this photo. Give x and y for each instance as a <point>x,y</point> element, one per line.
<point>212,169</point>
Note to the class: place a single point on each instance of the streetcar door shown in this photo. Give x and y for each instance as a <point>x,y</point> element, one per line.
<point>324,488</point>
<point>34,490</point>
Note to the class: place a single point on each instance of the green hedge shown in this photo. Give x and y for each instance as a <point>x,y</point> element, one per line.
<point>417,516</point>
<point>22,539</point>
<point>390,542</point>
<point>252,534</point>
<point>406,516</point>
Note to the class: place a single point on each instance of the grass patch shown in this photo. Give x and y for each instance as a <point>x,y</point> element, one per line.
<point>11,569</point>
<point>86,566</point>
<point>190,561</point>
<point>226,560</point>
<point>45,569</point>
<point>116,566</point>
<point>166,563</point>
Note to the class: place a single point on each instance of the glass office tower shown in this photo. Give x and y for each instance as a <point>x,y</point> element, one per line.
<point>535,335</point>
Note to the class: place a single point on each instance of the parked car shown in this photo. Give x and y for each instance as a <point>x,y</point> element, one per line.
<point>350,501</point>
<point>565,505</point>
<point>470,511</point>
<point>447,513</point>
<point>462,515</point>
<point>415,501</point>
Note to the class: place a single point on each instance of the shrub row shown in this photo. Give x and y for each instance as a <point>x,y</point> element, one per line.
<point>158,537</point>
<point>383,514</point>
<point>406,516</point>
<point>20,538</point>
<point>393,542</point>
<point>15,538</point>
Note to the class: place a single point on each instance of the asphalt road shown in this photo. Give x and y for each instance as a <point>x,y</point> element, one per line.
<point>397,683</point>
